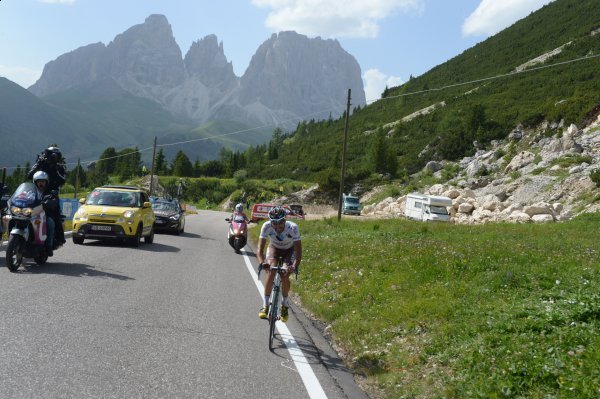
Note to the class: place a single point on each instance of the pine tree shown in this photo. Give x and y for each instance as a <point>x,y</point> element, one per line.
<point>72,176</point>
<point>182,166</point>
<point>160,163</point>
<point>107,162</point>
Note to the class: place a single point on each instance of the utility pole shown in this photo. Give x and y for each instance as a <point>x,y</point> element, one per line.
<point>77,177</point>
<point>344,158</point>
<point>152,168</point>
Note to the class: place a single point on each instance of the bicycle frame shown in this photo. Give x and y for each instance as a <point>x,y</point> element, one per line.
<point>274,307</point>
<point>273,315</point>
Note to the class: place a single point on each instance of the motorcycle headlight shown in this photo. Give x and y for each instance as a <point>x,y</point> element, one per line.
<point>27,211</point>
<point>15,211</point>
<point>128,214</point>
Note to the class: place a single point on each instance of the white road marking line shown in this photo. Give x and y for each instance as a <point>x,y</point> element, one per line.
<point>313,387</point>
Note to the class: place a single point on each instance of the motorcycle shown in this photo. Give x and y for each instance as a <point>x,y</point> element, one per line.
<point>27,226</point>
<point>237,234</point>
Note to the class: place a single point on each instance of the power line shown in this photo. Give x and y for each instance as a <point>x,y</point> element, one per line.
<point>488,78</point>
<point>312,114</point>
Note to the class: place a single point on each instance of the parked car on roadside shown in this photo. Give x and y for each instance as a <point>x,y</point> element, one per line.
<point>350,205</point>
<point>114,212</point>
<point>170,216</point>
<point>425,208</point>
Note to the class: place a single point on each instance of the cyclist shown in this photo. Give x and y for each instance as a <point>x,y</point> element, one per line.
<point>284,240</point>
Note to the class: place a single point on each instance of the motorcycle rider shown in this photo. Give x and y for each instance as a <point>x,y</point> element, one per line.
<point>49,161</point>
<point>239,211</point>
<point>50,203</point>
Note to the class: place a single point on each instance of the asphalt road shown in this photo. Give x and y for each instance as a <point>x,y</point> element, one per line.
<point>173,319</point>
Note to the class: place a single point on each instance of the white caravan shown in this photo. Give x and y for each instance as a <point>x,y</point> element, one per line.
<point>427,207</point>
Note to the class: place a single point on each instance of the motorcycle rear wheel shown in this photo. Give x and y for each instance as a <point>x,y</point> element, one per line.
<point>14,252</point>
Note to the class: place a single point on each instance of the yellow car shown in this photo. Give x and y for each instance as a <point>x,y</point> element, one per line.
<point>115,212</point>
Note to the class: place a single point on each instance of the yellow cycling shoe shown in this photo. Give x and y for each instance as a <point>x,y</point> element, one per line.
<point>263,312</point>
<point>284,313</point>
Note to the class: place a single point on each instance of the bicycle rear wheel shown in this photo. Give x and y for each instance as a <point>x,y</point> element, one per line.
<point>273,317</point>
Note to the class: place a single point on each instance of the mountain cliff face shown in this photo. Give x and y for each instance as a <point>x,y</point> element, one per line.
<point>289,68</point>
<point>293,74</point>
<point>81,66</point>
<point>146,60</point>
<point>289,76</point>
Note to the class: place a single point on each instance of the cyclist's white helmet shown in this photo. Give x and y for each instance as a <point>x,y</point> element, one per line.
<point>40,175</point>
<point>239,208</point>
<point>277,213</point>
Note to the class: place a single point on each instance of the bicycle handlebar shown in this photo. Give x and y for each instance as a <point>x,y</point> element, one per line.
<point>278,269</point>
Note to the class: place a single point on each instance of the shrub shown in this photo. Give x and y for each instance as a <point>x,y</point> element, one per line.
<point>569,160</point>
<point>240,176</point>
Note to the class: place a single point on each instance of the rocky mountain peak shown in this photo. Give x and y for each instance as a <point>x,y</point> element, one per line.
<point>206,60</point>
<point>290,75</point>
<point>293,72</point>
<point>147,55</point>
<point>72,69</point>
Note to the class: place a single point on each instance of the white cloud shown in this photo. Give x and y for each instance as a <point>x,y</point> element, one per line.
<point>375,82</point>
<point>491,16</point>
<point>333,18</point>
<point>58,1</point>
<point>22,76</point>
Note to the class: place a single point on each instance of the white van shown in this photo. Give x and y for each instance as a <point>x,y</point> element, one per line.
<point>427,207</point>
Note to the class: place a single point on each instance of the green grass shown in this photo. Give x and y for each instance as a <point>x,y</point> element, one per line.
<point>453,311</point>
<point>570,160</point>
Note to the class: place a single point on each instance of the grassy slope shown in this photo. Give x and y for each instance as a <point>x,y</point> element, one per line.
<point>565,92</point>
<point>441,310</point>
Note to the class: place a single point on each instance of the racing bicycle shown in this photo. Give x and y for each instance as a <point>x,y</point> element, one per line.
<point>274,306</point>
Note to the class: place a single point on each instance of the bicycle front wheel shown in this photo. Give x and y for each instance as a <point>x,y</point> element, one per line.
<point>273,318</point>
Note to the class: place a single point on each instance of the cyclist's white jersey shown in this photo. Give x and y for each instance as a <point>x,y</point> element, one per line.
<point>286,239</point>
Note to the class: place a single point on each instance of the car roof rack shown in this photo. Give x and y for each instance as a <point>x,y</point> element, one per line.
<point>122,187</point>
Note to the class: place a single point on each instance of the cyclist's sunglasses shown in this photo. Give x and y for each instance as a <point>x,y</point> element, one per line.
<point>278,221</point>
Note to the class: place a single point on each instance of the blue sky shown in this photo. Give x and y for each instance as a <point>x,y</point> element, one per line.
<point>390,39</point>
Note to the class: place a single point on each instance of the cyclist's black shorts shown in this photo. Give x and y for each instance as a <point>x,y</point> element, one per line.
<point>287,254</point>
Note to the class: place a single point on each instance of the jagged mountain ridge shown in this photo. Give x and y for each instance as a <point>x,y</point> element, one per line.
<point>289,76</point>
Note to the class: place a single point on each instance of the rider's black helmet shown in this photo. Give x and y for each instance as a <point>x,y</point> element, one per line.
<point>54,153</point>
<point>277,213</point>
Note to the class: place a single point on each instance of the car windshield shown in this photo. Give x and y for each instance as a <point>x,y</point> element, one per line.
<point>164,207</point>
<point>440,210</point>
<point>352,200</point>
<point>113,198</point>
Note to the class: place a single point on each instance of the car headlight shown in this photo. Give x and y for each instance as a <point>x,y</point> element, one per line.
<point>128,214</point>
<point>174,217</point>
<point>80,215</point>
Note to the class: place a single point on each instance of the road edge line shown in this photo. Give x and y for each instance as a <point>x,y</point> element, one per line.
<point>311,383</point>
